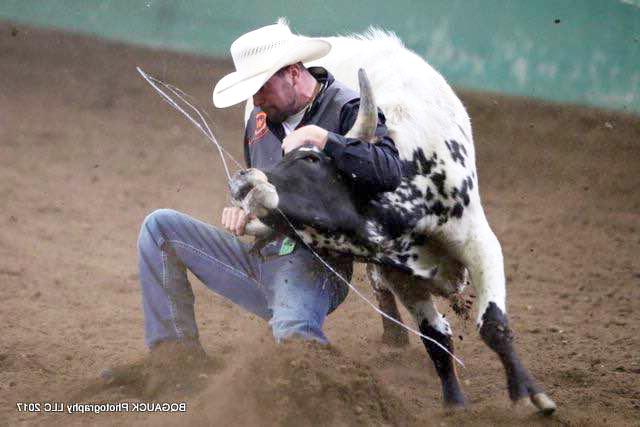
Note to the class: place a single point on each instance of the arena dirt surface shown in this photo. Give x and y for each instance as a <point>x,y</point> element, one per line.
<point>87,150</point>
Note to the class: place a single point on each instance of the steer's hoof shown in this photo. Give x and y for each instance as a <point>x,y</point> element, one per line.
<point>541,401</point>
<point>455,404</point>
<point>452,410</point>
<point>545,405</point>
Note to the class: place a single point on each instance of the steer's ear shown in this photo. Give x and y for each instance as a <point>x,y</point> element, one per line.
<point>364,128</point>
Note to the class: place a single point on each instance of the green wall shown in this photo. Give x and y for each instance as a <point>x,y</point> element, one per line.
<point>579,51</point>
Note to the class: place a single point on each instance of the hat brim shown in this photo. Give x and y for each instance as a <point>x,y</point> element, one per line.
<point>237,87</point>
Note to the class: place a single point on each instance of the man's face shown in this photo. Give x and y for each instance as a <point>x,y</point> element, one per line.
<point>277,97</point>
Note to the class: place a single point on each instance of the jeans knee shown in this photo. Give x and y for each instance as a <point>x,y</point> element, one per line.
<point>152,226</point>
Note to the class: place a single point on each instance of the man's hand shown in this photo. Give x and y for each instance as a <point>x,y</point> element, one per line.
<point>310,134</point>
<point>235,219</point>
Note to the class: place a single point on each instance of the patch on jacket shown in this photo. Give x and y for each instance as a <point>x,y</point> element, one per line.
<point>261,127</point>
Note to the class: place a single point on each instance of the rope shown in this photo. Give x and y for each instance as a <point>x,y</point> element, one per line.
<point>206,130</point>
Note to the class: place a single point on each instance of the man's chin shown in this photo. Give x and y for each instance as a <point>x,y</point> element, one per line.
<point>275,115</point>
<point>276,118</point>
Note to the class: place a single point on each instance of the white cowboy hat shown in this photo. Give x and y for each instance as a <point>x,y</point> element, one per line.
<point>257,56</point>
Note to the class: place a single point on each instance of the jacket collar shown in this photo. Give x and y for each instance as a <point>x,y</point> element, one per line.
<point>326,79</point>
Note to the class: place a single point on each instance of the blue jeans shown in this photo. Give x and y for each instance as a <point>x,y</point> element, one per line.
<point>293,292</point>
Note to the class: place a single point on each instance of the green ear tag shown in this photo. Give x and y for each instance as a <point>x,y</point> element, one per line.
<point>288,245</point>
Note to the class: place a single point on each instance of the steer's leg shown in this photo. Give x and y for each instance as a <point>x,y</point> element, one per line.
<point>414,295</point>
<point>495,332</point>
<point>392,333</point>
<point>433,325</point>
<point>482,255</point>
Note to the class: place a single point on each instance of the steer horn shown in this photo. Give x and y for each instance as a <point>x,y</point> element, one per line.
<point>262,233</point>
<point>257,229</point>
<point>364,128</point>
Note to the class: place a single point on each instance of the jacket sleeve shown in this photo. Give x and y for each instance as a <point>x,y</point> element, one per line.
<point>372,168</point>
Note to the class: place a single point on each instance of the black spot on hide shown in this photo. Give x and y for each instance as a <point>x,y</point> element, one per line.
<point>401,246</point>
<point>414,194</point>
<point>418,239</point>
<point>457,210</point>
<point>438,179</point>
<point>462,194</point>
<point>457,151</point>
<point>470,183</point>
<point>419,164</point>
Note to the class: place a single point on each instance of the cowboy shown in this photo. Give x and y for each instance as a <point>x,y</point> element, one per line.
<point>284,285</point>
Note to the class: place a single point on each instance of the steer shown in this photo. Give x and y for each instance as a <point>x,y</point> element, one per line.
<point>426,238</point>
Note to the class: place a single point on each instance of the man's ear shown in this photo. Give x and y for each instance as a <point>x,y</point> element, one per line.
<point>294,69</point>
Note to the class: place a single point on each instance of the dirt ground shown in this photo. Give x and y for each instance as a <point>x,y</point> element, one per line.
<point>87,150</point>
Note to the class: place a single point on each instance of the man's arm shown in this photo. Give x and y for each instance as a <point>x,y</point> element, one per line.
<point>372,168</point>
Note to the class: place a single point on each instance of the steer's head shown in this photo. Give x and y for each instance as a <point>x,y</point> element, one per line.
<point>307,187</point>
<point>313,192</point>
